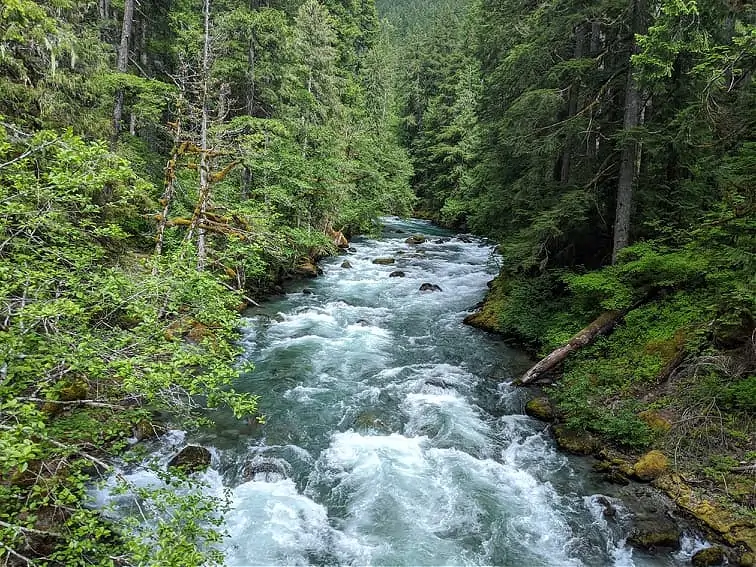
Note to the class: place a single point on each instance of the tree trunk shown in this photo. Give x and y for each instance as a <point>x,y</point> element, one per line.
<point>601,326</point>
<point>251,78</point>
<point>122,64</point>
<point>572,107</point>
<point>630,159</point>
<point>170,179</point>
<point>104,8</point>
<point>204,166</point>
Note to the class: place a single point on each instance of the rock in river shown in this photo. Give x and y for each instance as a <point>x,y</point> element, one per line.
<point>190,459</point>
<point>708,557</point>
<point>430,287</point>
<point>397,274</point>
<point>540,408</point>
<point>384,261</point>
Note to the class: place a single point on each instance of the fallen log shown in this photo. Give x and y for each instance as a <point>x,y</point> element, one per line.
<point>601,326</point>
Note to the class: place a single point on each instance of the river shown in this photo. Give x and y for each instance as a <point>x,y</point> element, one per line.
<point>392,435</point>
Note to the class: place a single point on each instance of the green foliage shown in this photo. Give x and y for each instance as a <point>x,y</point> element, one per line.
<point>296,101</point>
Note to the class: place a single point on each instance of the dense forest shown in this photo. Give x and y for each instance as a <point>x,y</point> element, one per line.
<point>165,165</point>
<point>162,166</point>
<point>609,148</point>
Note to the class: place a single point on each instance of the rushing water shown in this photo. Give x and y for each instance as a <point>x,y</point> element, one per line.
<point>392,435</point>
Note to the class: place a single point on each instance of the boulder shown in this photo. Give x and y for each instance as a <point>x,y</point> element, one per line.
<point>574,442</point>
<point>609,512</point>
<point>368,420</point>
<point>307,269</point>
<point>397,274</point>
<point>416,239</point>
<point>540,408</point>
<point>190,459</point>
<point>655,421</point>
<point>384,261</point>
<point>145,429</point>
<point>708,557</point>
<point>650,466</point>
<point>346,264</point>
<point>430,287</point>
<point>267,470</point>
<point>307,291</point>
<point>651,538</point>
<point>74,391</point>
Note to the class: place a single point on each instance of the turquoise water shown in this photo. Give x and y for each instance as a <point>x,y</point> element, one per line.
<point>392,436</point>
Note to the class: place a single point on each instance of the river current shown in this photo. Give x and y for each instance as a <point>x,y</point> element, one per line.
<point>392,435</point>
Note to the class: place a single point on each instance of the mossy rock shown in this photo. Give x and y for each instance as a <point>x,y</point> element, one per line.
<point>746,559</point>
<point>708,557</point>
<point>734,529</point>
<point>199,332</point>
<point>650,466</point>
<point>577,443</point>
<point>416,239</point>
<point>191,458</point>
<point>145,429</point>
<point>488,317</point>
<point>655,421</point>
<point>650,538</point>
<point>307,269</point>
<point>540,408</point>
<point>369,420</point>
<point>384,261</point>
<point>74,391</point>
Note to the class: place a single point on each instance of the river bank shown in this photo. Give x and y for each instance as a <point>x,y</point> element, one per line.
<point>665,408</point>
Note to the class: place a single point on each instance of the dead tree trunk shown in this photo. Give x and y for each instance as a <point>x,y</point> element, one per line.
<point>601,326</point>
<point>122,64</point>
<point>203,202</point>
<point>170,179</point>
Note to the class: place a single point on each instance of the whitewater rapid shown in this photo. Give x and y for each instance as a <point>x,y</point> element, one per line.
<point>392,435</point>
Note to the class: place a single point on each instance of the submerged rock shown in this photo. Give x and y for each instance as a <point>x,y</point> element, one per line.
<point>397,274</point>
<point>609,512</point>
<point>540,408</point>
<point>307,291</point>
<point>346,264</point>
<point>708,557</point>
<point>191,458</point>
<point>384,261</point>
<point>438,383</point>
<point>267,470</point>
<point>430,287</point>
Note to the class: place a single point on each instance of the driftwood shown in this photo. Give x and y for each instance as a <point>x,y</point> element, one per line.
<point>601,326</point>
